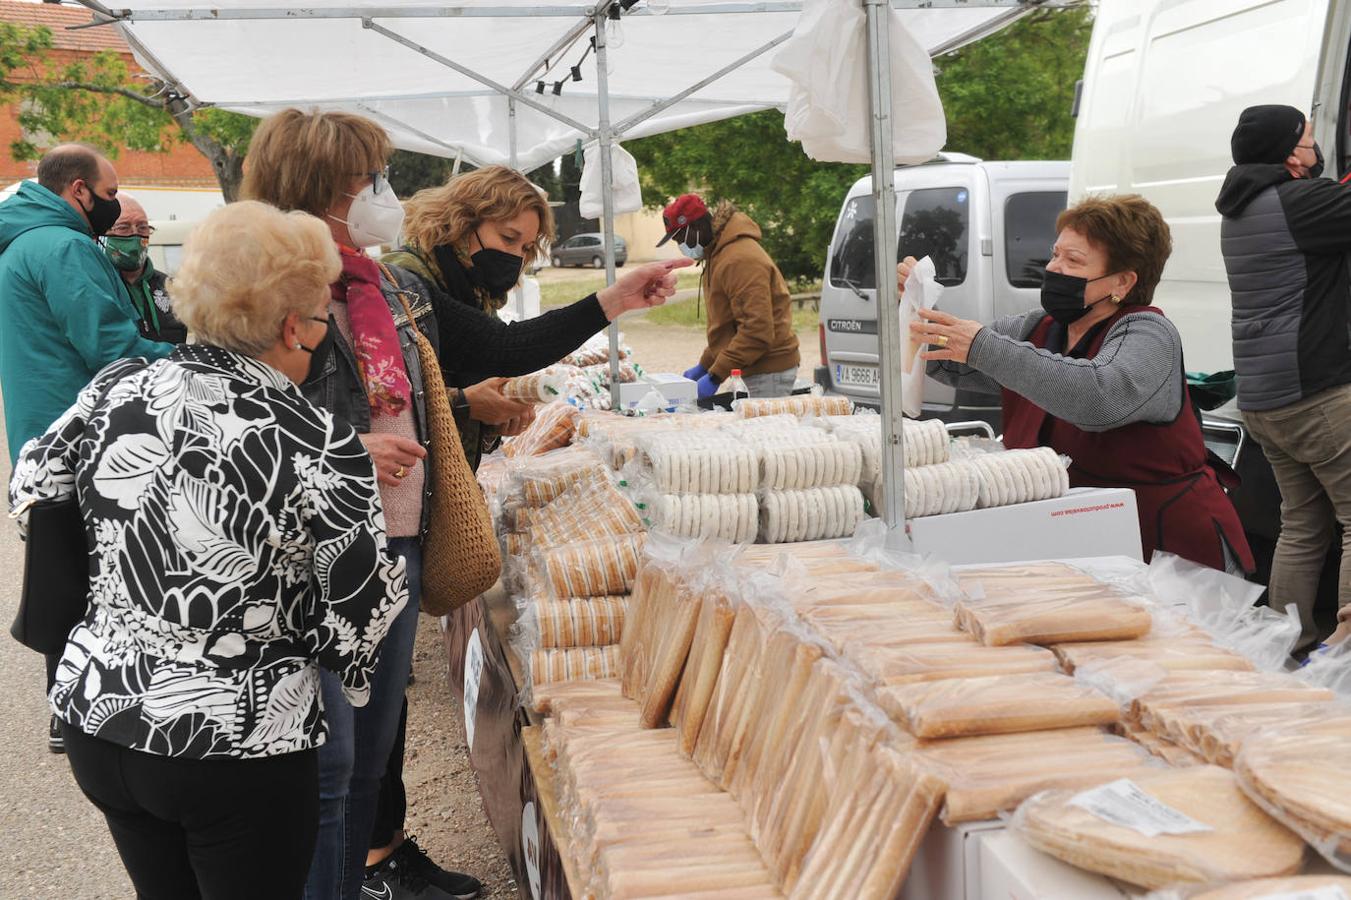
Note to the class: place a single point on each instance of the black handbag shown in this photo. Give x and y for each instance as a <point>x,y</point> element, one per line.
<point>55,593</point>
<point>55,574</point>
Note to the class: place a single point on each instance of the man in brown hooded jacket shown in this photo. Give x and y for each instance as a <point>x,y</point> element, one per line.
<point>750,314</point>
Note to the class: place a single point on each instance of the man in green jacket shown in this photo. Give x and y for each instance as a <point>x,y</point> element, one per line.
<point>64,312</point>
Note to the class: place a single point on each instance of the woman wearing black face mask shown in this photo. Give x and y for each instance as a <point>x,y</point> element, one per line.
<point>467,244</point>
<point>1097,374</point>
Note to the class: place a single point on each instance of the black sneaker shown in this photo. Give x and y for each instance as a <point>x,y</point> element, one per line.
<point>410,867</point>
<point>55,742</point>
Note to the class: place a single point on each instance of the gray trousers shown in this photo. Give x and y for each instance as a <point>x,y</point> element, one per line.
<point>1309,446</point>
<point>771,384</point>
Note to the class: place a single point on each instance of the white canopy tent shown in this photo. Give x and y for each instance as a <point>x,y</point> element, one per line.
<point>493,81</point>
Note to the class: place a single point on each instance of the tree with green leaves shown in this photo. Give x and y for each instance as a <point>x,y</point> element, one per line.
<point>1006,97</point>
<point>100,101</point>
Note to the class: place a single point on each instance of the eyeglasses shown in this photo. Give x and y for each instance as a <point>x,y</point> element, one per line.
<point>127,231</point>
<point>379,180</point>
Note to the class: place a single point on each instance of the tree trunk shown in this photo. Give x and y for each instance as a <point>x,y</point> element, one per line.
<point>229,170</point>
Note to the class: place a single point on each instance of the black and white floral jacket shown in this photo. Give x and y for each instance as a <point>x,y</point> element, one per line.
<point>238,544</point>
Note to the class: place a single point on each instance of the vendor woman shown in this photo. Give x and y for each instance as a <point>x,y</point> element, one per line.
<point>1097,374</point>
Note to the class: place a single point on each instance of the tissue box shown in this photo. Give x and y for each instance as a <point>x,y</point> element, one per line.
<point>675,388</point>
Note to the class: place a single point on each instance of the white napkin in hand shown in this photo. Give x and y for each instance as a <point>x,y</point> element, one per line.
<point>922,291</point>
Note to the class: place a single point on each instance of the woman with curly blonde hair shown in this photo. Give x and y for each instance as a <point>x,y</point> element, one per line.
<point>467,242</point>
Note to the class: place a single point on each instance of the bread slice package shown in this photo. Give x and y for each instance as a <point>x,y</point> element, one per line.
<point>1301,775</point>
<point>1190,825</point>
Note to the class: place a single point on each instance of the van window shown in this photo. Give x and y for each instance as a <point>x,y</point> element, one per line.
<point>1029,234</point>
<point>852,261</point>
<point>935,224</point>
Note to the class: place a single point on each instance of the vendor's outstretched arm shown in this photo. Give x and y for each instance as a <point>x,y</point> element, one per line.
<point>967,378</point>
<point>1135,377</point>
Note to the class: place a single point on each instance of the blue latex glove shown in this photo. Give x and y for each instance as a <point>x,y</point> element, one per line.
<point>696,373</point>
<point>707,387</point>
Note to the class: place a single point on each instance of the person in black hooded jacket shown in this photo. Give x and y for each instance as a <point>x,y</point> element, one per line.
<point>1286,235</point>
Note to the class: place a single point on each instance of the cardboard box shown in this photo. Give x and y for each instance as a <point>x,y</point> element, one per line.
<point>675,388</point>
<point>947,865</point>
<point>1085,522</point>
<point>1011,870</point>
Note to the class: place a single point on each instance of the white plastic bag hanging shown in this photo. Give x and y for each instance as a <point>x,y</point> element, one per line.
<point>826,59</point>
<point>628,197</point>
<point>922,291</point>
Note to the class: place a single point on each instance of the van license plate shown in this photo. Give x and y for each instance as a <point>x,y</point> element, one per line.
<point>856,376</point>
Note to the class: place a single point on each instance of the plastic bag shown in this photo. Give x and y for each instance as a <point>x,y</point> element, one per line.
<point>828,111</point>
<point>800,405</point>
<point>922,291</point>
<point>553,428</point>
<point>1001,705</point>
<point>597,568</point>
<point>1157,829</point>
<point>627,193</point>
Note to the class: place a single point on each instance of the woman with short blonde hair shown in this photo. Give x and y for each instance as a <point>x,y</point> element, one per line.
<point>216,497</point>
<point>334,165</point>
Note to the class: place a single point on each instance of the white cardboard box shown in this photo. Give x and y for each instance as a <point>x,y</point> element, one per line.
<point>947,864</point>
<point>1011,870</point>
<point>1084,522</point>
<point>675,388</point>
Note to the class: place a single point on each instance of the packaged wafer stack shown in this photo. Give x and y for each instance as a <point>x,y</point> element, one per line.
<point>573,664</point>
<point>802,405</point>
<point>590,509</point>
<point>538,387</point>
<point>595,568</point>
<point>553,428</point>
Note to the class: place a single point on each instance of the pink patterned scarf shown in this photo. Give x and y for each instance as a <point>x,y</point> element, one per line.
<point>374,337</point>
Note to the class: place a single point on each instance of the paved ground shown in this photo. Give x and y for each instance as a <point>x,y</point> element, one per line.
<point>57,846</point>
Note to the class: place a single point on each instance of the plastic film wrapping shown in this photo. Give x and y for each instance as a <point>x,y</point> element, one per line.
<point>574,663</point>
<point>811,515</point>
<point>580,621</point>
<point>1000,705</point>
<point>1046,603</point>
<point>1212,831</point>
<point>596,568</point>
<point>711,632</point>
<point>1299,887</point>
<point>553,428</point>
<point>726,517</point>
<point>590,509</point>
<point>801,406</point>
<point>538,387</point>
<point>1020,476</point>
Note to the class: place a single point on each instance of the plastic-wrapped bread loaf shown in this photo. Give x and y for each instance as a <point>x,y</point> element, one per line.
<point>580,621</point>
<point>801,405</point>
<point>1297,887</point>
<point>999,705</point>
<point>574,663</point>
<point>993,773</point>
<point>1046,604</point>
<point>1185,825</point>
<point>1301,775</point>
<point>596,568</point>
<point>553,428</point>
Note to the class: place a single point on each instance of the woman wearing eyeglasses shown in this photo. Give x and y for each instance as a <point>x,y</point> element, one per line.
<point>127,245</point>
<point>333,165</point>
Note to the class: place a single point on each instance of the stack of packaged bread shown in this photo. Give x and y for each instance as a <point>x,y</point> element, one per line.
<point>794,717</point>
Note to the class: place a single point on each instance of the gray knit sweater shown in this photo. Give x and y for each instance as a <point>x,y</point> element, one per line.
<point>1136,377</point>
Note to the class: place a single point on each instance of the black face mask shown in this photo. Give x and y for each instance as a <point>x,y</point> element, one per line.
<point>103,214</point>
<point>495,270</point>
<point>1062,296</point>
<point>1316,170</point>
<point>320,352</point>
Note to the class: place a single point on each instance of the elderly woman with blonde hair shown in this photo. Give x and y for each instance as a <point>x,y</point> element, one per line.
<point>238,547</point>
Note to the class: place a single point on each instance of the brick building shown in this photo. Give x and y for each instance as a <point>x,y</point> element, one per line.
<point>182,168</point>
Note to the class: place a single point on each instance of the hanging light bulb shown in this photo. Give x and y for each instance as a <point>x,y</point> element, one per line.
<point>614,28</point>
<point>658,7</point>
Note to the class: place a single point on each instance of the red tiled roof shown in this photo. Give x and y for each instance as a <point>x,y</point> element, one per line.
<point>59,19</point>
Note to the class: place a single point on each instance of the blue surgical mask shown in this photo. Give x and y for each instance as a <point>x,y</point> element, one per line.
<point>693,251</point>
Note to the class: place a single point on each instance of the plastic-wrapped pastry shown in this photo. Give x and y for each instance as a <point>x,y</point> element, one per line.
<point>1158,829</point>
<point>727,517</point>
<point>798,405</point>
<point>574,663</point>
<point>593,568</point>
<point>999,705</point>
<point>591,509</point>
<point>538,387</point>
<point>1297,887</point>
<point>1020,476</point>
<point>788,465</point>
<point>1046,604</point>
<point>811,515</point>
<point>580,621</point>
<point>553,428</point>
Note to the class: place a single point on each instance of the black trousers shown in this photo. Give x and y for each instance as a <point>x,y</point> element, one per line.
<point>392,804</point>
<point>210,829</point>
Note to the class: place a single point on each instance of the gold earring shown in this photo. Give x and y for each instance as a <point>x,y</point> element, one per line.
<point>1116,301</point>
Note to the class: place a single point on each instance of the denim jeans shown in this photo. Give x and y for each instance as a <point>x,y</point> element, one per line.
<point>352,760</point>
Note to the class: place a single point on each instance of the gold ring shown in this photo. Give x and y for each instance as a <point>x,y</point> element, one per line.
<point>942,340</point>
<point>401,472</point>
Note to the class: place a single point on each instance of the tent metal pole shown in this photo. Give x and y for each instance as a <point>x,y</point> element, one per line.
<point>558,47</point>
<point>878,13</point>
<point>459,160</point>
<point>517,292</point>
<point>393,122</point>
<point>638,118</point>
<point>481,79</point>
<point>606,137</point>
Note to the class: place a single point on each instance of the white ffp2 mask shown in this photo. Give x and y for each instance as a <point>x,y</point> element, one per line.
<point>373,218</point>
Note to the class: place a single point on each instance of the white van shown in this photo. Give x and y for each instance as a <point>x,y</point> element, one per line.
<point>1163,87</point>
<point>988,226</point>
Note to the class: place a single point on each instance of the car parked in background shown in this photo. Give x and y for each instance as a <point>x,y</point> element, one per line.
<point>988,226</point>
<point>587,250</point>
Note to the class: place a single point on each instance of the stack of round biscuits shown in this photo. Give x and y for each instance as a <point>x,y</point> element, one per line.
<point>810,515</point>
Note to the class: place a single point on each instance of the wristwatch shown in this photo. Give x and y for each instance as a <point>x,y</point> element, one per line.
<point>460,404</point>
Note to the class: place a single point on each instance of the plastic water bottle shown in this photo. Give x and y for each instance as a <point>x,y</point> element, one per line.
<point>735,386</point>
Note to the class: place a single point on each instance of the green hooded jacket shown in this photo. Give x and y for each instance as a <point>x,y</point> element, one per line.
<point>64,313</point>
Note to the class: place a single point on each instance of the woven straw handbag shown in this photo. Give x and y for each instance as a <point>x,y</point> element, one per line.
<point>460,555</point>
